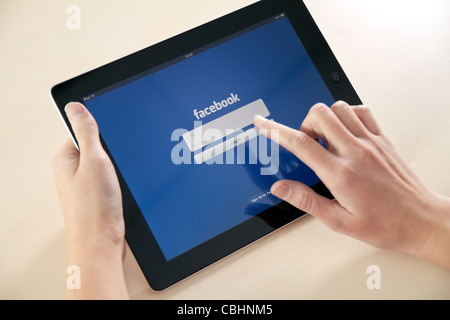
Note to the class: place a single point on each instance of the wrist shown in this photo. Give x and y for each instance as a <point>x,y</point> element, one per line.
<point>93,235</point>
<point>99,245</point>
<point>100,264</point>
<point>436,246</point>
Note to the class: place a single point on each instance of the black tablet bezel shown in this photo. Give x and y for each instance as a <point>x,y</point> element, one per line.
<point>159,272</point>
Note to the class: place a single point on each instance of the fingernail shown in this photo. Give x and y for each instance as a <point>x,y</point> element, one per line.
<point>280,190</point>
<point>259,120</point>
<point>73,110</point>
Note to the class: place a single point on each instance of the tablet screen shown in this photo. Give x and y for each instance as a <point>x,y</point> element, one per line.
<point>182,135</point>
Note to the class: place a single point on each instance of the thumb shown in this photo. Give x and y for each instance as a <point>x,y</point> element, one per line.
<point>84,127</point>
<point>330,212</point>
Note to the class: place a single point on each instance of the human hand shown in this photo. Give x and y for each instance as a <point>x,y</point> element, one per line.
<point>378,199</point>
<point>91,202</point>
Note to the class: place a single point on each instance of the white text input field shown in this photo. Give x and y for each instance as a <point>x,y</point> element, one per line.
<point>225,125</point>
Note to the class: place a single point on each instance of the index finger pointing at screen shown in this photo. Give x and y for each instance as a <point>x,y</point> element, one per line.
<point>299,143</point>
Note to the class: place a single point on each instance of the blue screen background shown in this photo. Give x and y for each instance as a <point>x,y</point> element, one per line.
<point>185,205</point>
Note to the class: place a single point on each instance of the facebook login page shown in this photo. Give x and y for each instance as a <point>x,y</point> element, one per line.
<point>174,132</point>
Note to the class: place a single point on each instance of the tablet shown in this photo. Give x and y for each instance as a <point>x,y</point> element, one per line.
<point>176,120</point>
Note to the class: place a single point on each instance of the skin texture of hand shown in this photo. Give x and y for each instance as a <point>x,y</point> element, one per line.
<point>91,202</point>
<point>378,199</point>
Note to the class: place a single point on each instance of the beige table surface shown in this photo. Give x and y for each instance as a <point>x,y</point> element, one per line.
<point>395,52</point>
